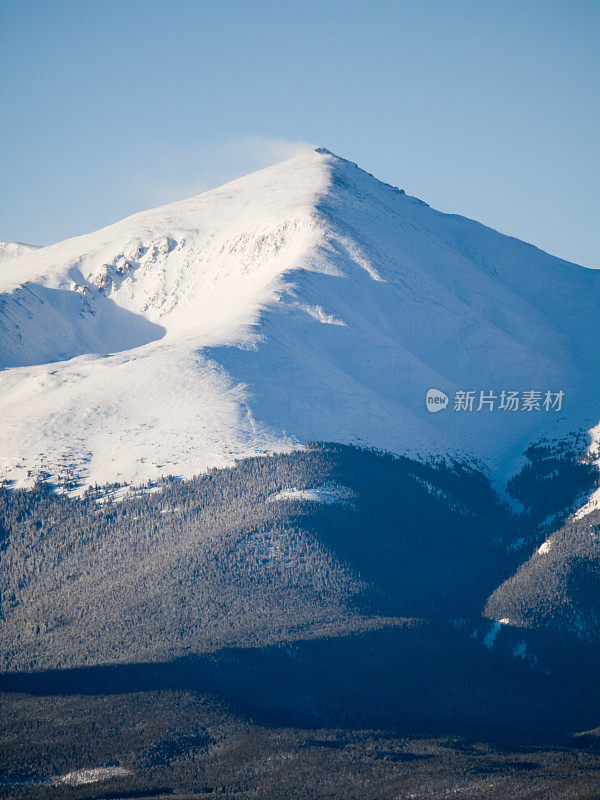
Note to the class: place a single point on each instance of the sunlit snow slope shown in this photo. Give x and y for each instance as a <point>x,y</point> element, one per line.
<point>308,301</point>
<point>11,250</point>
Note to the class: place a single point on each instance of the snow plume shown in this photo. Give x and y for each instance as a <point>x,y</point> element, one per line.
<point>201,166</point>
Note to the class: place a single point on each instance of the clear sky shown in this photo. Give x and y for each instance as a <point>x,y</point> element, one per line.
<point>489,109</point>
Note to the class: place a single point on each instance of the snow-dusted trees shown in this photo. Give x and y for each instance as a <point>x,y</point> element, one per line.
<point>242,556</point>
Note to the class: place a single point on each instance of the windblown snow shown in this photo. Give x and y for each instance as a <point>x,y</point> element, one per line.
<point>11,250</point>
<point>308,301</point>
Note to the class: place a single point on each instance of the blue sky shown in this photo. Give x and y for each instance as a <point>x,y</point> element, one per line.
<point>489,109</point>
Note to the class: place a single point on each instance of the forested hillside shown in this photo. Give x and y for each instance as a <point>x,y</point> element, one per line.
<point>332,588</point>
<point>324,540</point>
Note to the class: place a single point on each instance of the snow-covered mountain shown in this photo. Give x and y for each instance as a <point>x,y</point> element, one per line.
<point>308,301</point>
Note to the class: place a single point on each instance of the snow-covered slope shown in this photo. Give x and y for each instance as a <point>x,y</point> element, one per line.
<point>308,301</point>
<point>10,250</point>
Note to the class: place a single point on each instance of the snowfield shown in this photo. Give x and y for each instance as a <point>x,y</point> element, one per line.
<point>308,301</point>
<point>328,494</point>
<point>83,777</point>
